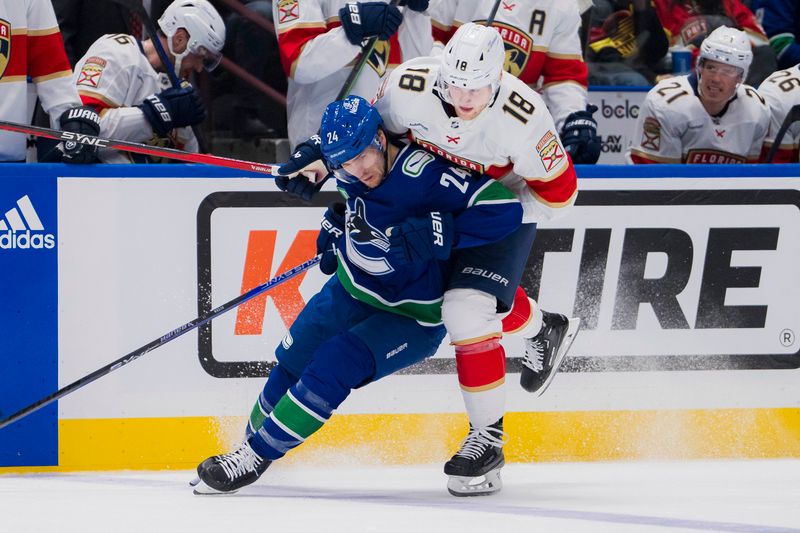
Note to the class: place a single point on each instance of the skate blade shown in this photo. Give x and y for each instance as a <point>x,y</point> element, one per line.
<point>485,485</point>
<point>201,489</point>
<point>569,337</point>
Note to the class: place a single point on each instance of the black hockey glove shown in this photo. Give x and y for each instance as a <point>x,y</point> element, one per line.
<point>84,120</point>
<point>415,5</point>
<point>173,108</point>
<point>330,234</point>
<point>307,157</point>
<point>421,239</point>
<point>361,20</point>
<point>579,137</point>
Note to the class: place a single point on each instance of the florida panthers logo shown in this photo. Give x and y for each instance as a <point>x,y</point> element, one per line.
<point>518,48</point>
<point>5,45</point>
<point>379,58</point>
<point>361,236</point>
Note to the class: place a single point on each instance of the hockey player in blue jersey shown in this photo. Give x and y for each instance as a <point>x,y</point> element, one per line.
<point>405,211</point>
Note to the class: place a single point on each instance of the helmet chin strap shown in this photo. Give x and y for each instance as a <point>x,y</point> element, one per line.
<point>178,57</point>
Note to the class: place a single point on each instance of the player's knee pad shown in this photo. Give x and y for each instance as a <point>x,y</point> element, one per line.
<point>470,316</point>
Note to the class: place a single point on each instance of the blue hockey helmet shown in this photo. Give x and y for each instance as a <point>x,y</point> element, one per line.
<point>348,128</point>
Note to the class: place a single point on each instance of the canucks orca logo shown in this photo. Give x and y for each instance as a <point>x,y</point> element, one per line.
<point>379,57</point>
<point>518,47</point>
<point>5,45</point>
<point>361,236</point>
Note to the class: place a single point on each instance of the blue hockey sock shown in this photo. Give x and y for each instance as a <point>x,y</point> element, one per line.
<point>277,384</point>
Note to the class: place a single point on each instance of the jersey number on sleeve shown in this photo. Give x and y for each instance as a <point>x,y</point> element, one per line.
<point>413,82</point>
<point>518,106</point>
<point>672,86</point>
<point>787,84</point>
<point>448,178</point>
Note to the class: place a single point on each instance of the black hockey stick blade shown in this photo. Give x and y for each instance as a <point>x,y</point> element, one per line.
<point>161,341</point>
<point>791,117</point>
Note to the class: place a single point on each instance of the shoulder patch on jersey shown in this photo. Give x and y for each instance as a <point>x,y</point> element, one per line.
<point>546,137</point>
<point>551,154</point>
<point>288,11</point>
<point>91,71</point>
<point>5,45</point>
<point>416,162</point>
<point>651,134</point>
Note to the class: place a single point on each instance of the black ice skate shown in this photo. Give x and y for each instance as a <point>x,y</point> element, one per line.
<point>227,473</point>
<point>475,469</point>
<point>545,352</point>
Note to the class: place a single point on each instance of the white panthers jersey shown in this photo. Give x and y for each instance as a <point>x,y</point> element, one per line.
<point>317,57</point>
<point>542,43</point>
<point>674,127</point>
<point>782,92</point>
<point>513,140</point>
<point>31,47</point>
<point>114,76</point>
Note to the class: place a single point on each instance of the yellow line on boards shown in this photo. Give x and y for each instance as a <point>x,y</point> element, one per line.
<point>181,443</point>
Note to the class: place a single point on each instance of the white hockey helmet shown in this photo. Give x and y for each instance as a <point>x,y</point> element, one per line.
<point>472,58</point>
<point>204,25</point>
<point>729,46</point>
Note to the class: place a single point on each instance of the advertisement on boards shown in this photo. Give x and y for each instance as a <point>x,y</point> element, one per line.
<point>616,115</point>
<point>28,317</point>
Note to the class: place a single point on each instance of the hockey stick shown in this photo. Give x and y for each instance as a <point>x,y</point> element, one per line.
<point>137,7</point>
<point>491,16</point>
<point>127,146</point>
<point>366,51</point>
<point>791,117</point>
<point>161,341</point>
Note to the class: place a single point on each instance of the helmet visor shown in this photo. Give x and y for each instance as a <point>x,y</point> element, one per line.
<point>715,67</point>
<point>210,59</point>
<point>344,172</point>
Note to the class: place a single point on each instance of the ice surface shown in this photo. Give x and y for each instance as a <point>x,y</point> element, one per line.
<point>757,496</point>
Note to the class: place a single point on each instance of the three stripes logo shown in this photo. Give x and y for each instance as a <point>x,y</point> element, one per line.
<point>21,228</point>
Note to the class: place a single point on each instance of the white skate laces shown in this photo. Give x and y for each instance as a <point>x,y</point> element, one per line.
<point>479,439</point>
<point>240,461</point>
<point>534,355</point>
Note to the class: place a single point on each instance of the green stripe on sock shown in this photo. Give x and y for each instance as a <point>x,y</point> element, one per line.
<point>257,417</point>
<point>294,417</point>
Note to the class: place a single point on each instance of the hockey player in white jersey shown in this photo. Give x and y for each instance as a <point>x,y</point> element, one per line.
<point>709,116</point>
<point>119,77</point>
<point>543,49</point>
<point>320,40</point>
<point>463,107</point>
<point>781,90</point>
<point>33,62</point>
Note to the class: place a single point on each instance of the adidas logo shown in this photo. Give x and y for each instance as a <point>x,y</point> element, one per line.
<point>22,229</point>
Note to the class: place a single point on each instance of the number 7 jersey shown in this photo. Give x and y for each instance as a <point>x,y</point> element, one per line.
<point>674,127</point>
<point>513,140</point>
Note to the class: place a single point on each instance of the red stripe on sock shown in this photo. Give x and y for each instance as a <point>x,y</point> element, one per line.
<point>479,365</point>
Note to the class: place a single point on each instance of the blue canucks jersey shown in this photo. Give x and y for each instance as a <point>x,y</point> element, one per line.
<point>418,183</point>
